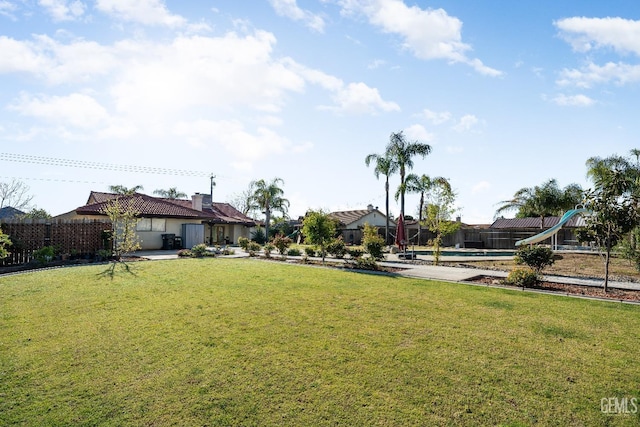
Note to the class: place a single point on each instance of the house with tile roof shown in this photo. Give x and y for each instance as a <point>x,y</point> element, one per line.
<point>352,223</point>
<point>194,221</point>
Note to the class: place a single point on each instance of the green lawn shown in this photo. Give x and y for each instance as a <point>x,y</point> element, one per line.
<point>247,342</point>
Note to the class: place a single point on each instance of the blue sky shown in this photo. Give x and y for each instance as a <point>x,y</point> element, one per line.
<point>508,94</point>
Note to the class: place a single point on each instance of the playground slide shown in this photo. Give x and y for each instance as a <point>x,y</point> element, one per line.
<point>551,231</point>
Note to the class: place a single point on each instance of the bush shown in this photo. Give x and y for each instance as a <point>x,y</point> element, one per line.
<point>199,250</point>
<point>309,251</point>
<point>337,248</point>
<point>367,263</point>
<point>268,248</point>
<point>294,252</point>
<point>45,254</point>
<point>355,253</point>
<point>253,248</point>
<point>227,251</point>
<point>243,242</point>
<point>259,236</point>
<point>525,277</point>
<point>282,243</point>
<point>535,257</point>
<point>373,243</point>
<point>185,253</point>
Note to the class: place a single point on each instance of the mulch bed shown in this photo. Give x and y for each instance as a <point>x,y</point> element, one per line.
<point>564,289</point>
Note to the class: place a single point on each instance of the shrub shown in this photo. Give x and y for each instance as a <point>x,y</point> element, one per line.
<point>44,255</point>
<point>268,248</point>
<point>366,263</point>
<point>294,252</point>
<point>373,243</point>
<point>355,253</point>
<point>186,253</point>
<point>535,257</point>
<point>282,243</point>
<point>199,250</point>
<point>309,251</point>
<point>103,254</point>
<point>253,248</point>
<point>259,236</point>
<point>227,251</point>
<point>337,248</point>
<point>525,277</point>
<point>243,242</point>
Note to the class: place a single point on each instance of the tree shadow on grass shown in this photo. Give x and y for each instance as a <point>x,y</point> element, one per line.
<point>117,266</point>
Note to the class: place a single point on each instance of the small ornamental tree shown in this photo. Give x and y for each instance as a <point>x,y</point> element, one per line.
<point>282,243</point>
<point>318,229</point>
<point>4,242</point>
<point>373,243</point>
<point>438,213</point>
<point>123,217</point>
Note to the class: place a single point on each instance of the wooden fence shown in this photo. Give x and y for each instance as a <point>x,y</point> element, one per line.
<point>72,237</point>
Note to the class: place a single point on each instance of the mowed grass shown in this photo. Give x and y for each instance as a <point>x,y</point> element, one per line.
<point>246,342</point>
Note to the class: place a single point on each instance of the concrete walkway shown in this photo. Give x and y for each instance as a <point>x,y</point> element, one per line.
<point>422,271</point>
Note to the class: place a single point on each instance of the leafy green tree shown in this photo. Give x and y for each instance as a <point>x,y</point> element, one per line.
<point>268,197</point>
<point>438,213</point>
<point>4,243</point>
<point>612,218</point>
<point>171,193</point>
<point>372,242</point>
<point>36,214</point>
<point>541,201</point>
<point>402,152</point>
<point>422,185</point>
<point>124,191</point>
<point>384,165</point>
<point>318,229</point>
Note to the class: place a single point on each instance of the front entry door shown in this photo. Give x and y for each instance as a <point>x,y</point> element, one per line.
<point>219,234</point>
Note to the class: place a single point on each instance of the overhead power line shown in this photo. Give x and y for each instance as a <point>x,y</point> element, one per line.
<point>52,161</point>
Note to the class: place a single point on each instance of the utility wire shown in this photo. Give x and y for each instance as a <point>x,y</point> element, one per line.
<point>52,161</point>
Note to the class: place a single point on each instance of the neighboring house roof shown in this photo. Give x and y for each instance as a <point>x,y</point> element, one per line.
<point>148,206</point>
<point>8,212</point>
<point>534,222</point>
<point>349,217</point>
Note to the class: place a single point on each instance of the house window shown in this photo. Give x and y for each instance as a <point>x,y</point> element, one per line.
<point>151,224</point>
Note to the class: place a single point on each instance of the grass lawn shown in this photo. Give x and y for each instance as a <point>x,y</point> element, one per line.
<point>248,342</point>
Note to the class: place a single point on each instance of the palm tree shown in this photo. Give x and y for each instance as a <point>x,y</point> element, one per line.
<point>267,196</point>
<point>402,152</point>
<point>422,184</point>
<point>171,193</point>
<point>384,165</point>
<point>545,200</point>
<point>124,191</point>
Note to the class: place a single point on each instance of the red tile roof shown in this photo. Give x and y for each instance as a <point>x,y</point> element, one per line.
<point>148,206</point>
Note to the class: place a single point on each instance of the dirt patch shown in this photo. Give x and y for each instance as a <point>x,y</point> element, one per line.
<point>565,289</point>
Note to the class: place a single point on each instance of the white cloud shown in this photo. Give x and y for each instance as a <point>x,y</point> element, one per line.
<point>480,187</point>
<point>77,110</point>
<point>7,9</point>
<point>63,10</point>
<point>147,12</point>
<point>376,63</point>
<point>418,132</point>
<point>358,98</point>
<point>573,100</point>
<point>585,34</point>
<point>592,74</point>
<point>466,123</point>
<point>290,9</point>
<point>435,117</point>
<point>427,33</point>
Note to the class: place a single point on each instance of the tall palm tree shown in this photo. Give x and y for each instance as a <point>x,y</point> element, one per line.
<point>171,193</point>
<point>422,185</point>
<point>267,196</point>
<point>384,165</point>
<point>402,153</point>
<point>124,191</point>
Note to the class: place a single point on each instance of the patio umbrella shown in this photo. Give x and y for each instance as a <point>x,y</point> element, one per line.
<point>401,239</point>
